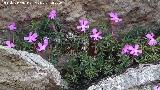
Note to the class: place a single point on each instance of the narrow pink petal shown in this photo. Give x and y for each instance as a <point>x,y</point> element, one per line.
<point>130,48</point>
<point>91,36</point>
<point>35,35</point>
<point>7,42</point>
<point>85,22</point>
<point>53,11</point>
<point>125,49</point>
<point>99,33</point>
<point>152,42</point>
<point>81,21</point>
<point>12,45</point>
<point>113,19</point>
<point>136,46</point>
<point>155,88</point>
<point>94,31</point>
<point>95,38</point>
<point>87,26</point>
<point>149,36</point>
<point>33,39</point>
<point>50,16</point>
<point>132,52</point>
<point>38,49</point>
<point>111,14</point>
<point>83,29</point>
<point>45,41</point>
<point>152,34</point>
<point>39,46</point>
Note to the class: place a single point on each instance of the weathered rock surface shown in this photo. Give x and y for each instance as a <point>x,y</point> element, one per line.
<point>132,79</point>
<point>20,70</point>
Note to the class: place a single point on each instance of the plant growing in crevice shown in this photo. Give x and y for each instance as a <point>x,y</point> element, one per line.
<point>95,50</point>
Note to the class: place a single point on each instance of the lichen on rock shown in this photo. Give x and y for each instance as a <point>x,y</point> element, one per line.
<point>138,78</point>
<point>20,70</point>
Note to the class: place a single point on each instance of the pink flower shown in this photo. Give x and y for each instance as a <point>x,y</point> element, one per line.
<point>83,25</point>
<point>32,37</point>
<point>43,46</point>
<point>9,44</point>
<point>151,40</point>
<point>125,49</point>
<point>156,88</point>
<point>12,26</point>
<point>150,36</point>
<point>45,41</point>
<point>134,50</point>
<point>96,35</point>
<point>52,14</point>
<point>114,17</point>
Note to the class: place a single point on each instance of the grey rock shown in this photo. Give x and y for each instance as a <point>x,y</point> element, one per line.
<point>20,70</point>
<point>132,79</point>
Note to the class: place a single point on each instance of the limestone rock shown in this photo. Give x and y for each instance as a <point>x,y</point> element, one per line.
<point>132,79</point>
<point>20,70</point>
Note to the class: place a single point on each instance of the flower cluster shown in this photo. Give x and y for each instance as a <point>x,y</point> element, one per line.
<point>129,49</point>
<point>84,26</point>
<point>151,40</point>
<point>32,37</point>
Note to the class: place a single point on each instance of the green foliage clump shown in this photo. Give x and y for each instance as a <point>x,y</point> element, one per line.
<point>82,69</point>
<point>88,60</point>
